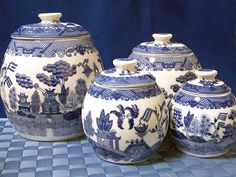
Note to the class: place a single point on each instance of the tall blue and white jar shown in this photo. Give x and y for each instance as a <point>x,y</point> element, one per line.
<point>171,63</point>
<point>125,116</point>
<point>47,70</point>
<point>203,116</point>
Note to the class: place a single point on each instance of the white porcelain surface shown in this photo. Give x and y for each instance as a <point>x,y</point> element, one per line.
<point>167,61</point>
<point>204,124</point>
<point>125,124</point>
<point>44,81</point>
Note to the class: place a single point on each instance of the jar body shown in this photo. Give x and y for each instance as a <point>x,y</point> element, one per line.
<point>170,70</point>
<point>203,126</point>
<point>43,84</point>
<point>125,125</point>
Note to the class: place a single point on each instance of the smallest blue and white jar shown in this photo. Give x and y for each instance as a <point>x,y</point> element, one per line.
<point>203,116</point>
<point>125,115</point>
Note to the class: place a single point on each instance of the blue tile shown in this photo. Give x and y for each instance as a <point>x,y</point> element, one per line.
<point>131,174</point>
<point>11,165</point>
<point>218,171</point>
<point>185,174</point>
<point>75,150</point>
<point>112,169</point>
<point>78,172</point>
<point>61,173</point>
<point>76,161</point>
<point>151,175</point>
<point>45,152</point>
<point>14,154</point>
<point>44,174</point>
<point>23,170</point>
<point>44,162</point>
<point>61,167</point>
<point>10,175</point>
<point>97,175</point>
<point>201,173</point>
<point>27,174</point>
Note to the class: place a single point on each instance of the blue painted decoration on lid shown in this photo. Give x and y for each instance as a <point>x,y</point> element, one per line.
<point>162,45</point>
<point>124,74</point>
<point>50,27</point>
<point>206,83</point>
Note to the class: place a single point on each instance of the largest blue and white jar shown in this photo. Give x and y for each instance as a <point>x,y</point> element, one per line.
<point>125,115</point>
<point>47,69</point>
<point>171,63</point>
<point>203,116</point>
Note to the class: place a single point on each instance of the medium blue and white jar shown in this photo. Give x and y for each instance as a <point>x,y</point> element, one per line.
<point>125,116</point>
<point>47,70</point>
<point>203,116</point>
<point>171,63</point>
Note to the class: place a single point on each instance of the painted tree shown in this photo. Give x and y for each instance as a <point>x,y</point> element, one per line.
<point>205,125</point>
<point>88,127</point>
<point>13,98</point>
<point>177,118</point>
<point>60,72</point>
<point>72,100</point>
<point>24,81</point>
<point>183,79</point>
<point>35,102</point>
<point>103,122</point>
<point>80,90</point>
<point>87,70</point>
<point>188,119</point>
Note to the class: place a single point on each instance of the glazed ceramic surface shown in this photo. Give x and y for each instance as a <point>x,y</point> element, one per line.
<point>47,69</point>
<point>171,63</point>
<point>203,116</point>
<point>125,116</point>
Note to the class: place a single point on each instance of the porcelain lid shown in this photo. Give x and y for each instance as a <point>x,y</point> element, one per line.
<point>206,83</point>
<point>49,27</point>
<point>162,45</point>
<point>124,75</point>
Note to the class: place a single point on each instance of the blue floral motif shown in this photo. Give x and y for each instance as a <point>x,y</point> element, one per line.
<point>177,118</point>
<point>124,81</point>
<point>205,125</point>
<point>201,135</point>
<point>107,144</point>
<point>121,115</point>
<point>38,30</point>
<point>188,119</point>
<point>125,94</point>
<point>205,102</point>
<point>88,128</point>
<point>164,48</point>
<point>207,88</point>
<point>166,62</point>
<point>103,122</point>
<point>50,48</point>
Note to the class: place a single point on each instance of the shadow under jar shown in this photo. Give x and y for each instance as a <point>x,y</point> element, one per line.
<point>125,116</point>
<point>203,116</point>
<point>47,69</point>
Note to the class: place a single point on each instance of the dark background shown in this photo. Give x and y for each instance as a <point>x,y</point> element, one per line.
<point>205,26</point>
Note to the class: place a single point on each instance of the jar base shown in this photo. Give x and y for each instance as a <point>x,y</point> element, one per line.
<point>61,138</point>
<point>200,155</point>
<point>123,162</point>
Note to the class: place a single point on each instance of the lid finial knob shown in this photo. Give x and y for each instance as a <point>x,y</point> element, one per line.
<point>208,74</point>
<point>126,64</point>
<point>50,17</point>
<point>163,37</point>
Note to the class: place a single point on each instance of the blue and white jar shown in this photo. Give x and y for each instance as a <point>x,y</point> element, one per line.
<point>171,63</point>
<point>125,116</point>
<point>47,70</point>
<point>203,116</point>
